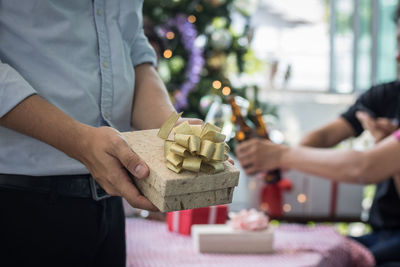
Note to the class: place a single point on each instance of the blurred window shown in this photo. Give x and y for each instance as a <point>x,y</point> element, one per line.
<point>339,46</point>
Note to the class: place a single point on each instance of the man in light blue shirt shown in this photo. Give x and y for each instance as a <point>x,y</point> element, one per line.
<point>72,74</point>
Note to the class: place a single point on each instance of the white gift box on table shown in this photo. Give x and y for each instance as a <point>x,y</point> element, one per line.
<point>224,239</point>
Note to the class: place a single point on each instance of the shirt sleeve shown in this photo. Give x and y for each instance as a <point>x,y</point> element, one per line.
<point>368,99</point>
<point>13,88</point>
<point>141,50</point>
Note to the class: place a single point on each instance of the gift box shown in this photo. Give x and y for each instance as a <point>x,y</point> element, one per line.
<point>170,191</point>
<point>182,221</point>
<point>272,195</point>
<point>314,197</point>
<point>225,239</point>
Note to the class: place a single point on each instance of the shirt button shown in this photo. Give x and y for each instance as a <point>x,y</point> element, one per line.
<point>105,64</point>
<point>98,12</point>
<point>106,115</point>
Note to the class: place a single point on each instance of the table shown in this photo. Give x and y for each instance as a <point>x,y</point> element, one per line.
<point>150,244</point>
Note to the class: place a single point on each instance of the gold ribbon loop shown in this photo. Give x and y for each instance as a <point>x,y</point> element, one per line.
<point>195,147</point>
<point>209,127</point>
<point>219,152</point>
<point>192,163</point>
<point>168,125</point>
<point>194,144</point>
<point>179,150</point>
<point>183,128</point>
<point>227,148</point>
<point>182,139</point>
<point>174,168</point>
<point>191,142</point>
<point>212,167</point>
<point>207,149</point>
<point>167,146</point>
<point>175,159</point>
<point>214,136</point>
<point>196,129</point>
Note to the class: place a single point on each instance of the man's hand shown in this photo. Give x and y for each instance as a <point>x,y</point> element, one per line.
<point>379,128</point>
<point>102,150</point>
<point>258,155</point>
<point>110,160</point>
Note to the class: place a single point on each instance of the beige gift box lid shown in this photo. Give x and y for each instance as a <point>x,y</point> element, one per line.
<point>170,191</point>
<point>221,238</point>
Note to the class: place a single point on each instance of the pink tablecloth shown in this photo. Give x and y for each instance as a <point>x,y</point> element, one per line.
<point>150,244</point>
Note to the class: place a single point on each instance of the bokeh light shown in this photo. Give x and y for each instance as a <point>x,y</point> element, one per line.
<point>192,19</point>
<point>226,90</point>
<point>287,207</point>
<point>168,53</point>
<point>170,35</point>
<point>301,198</point>
<point>217,84</point>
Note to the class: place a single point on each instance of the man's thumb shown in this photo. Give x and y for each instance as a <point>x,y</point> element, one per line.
<point>132,162</point>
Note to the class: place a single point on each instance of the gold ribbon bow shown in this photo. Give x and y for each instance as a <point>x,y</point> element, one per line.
<point>194,147</point>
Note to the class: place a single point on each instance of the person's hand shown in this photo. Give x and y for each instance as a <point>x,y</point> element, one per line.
<point>379,127</point>
<point>109,159</point>
<point>258,155</point>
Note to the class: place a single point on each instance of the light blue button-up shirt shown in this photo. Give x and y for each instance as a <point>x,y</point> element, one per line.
<point>77,54</point>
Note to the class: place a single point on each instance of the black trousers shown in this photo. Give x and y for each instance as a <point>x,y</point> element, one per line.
<point>42,229</point>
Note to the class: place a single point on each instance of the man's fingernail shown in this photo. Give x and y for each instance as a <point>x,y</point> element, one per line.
<point>140,171</point>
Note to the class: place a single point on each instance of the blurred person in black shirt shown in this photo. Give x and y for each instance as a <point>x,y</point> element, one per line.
<point>377,111</point>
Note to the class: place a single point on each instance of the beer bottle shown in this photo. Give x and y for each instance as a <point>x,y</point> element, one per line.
<point>272,176</point>
<point>243,130</point>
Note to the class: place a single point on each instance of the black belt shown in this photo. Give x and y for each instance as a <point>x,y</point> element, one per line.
<point>83,186</point>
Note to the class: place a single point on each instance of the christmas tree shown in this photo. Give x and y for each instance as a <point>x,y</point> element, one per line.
<point>200,48</point>
<point>203,55</point>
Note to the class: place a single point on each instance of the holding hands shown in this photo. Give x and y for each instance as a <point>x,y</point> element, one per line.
<point>109,159</point>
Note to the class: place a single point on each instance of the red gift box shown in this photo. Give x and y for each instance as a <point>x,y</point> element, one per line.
<point>271,197</point>
<point>182,221</point>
